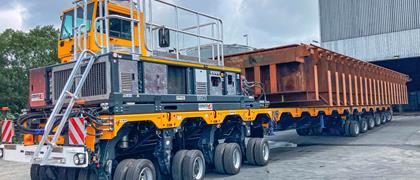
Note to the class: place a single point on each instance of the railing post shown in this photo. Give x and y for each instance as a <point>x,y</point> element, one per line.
<point>152,40</point>
<point>101,25</point>
<point>198,38</point>
<point>75,30</point>
<point>85,30</point>
<point>133,46</point>
<point>212,44</point>
<point>221,40</point>
<point>177,33</point>
<point>107,26</point>
<point>218,44</point>
<point>139,26</point>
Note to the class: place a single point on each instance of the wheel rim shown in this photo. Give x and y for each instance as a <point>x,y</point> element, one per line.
<point>236,158</point>
<point>146,174</point>
<point>356,129</point>
<point>266,151</point>
<point>365,126</point>
<point>198,168</point>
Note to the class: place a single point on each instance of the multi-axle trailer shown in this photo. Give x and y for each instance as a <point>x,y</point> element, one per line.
<point>126,103</point>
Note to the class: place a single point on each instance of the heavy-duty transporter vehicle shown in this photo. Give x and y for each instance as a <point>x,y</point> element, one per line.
<point>127,103</point>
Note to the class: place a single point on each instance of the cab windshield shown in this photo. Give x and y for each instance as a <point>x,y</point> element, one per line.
<point>67,25</point>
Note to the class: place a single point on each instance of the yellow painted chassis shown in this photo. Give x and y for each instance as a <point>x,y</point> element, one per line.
<point>215,117</point>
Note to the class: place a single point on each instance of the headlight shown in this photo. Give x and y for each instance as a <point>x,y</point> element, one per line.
<point>76,159</point>
<point>79,159</point>
<point>1,153</point>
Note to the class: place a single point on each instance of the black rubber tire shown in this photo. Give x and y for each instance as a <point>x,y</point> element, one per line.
<point>354,129</point>
<point>159,173</point>
<point>229,161</point>
<point>121,171</point>
<point>364,126</point>
<point>62,173</point>
<point>137,167</point>
<point>383,118</point>
<point>347,128</point>
<point>371,122</point>
<point>317,131</point>
<point>176,168</point>
<point>84,174</point>
<point>43,174</point>
<point>250,151</point>
<point>377,119</point>
<point>218,158</point>
<point>72,173</point>
<point>35,172</point>
<point>388,116</point>
<point>260,145</point>
<point>302,131</point>
<point>93,175</point>
<point>188,165</point>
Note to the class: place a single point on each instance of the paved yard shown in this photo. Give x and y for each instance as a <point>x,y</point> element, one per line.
<point>391,151</point>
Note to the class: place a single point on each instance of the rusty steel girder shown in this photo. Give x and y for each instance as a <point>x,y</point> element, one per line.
<point>308,75</point>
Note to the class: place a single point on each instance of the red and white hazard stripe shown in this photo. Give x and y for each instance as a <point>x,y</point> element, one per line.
<point>77,131</point>
<point>7,131</point>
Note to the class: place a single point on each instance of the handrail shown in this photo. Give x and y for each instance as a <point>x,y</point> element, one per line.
<point>201,25</point>
<point>95,36</point>
<point>79,37</point>
<point>184,32</point>
<point>150,29</point>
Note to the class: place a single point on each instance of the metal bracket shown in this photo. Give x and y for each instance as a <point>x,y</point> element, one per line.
<point>163,150</point>
<point>207,143</point>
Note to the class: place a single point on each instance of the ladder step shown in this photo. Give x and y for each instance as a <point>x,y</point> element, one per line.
<point>78,76</point>
<point>72,95</point>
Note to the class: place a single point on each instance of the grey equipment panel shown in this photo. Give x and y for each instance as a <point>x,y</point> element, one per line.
<point>216,83</point>
<point>97,85</point>
<point>231,83</point>
<point>201,82</point>
<point>128,78</point>
<point>155,78</point>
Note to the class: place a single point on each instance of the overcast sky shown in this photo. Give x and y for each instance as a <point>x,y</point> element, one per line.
<point>268,22</point>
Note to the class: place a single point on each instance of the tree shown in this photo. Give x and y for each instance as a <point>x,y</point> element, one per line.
<point>19,52</point>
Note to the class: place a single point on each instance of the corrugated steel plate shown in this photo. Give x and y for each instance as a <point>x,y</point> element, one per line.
<point>347,19</point>
<point>378,47</point>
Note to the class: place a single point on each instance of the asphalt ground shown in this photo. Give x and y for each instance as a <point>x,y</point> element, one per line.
<point>391,151</point>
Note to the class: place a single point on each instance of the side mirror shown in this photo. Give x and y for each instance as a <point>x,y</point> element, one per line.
<point>164,37</point>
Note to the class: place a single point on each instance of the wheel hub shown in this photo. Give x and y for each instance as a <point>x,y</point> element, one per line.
<point>266,151</point>
<point>236,159</point>
<point>198,168</point>
<point>146,174</point>
<point>356,129</point>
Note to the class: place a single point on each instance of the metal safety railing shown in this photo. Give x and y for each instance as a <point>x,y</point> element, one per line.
<point>151,28</point>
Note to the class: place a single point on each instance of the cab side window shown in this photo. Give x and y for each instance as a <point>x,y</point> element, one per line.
<point>119,28</point>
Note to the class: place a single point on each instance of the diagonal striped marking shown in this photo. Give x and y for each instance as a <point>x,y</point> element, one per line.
<point>6,130</point>
<point>79,122</point>
<point>78,128</point>
<point>72,139</point>
<point>9,133</point>
<point>9,137</point>
<point>77,140</point>
<point>77,134</point>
